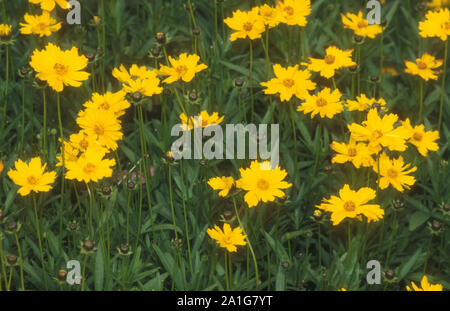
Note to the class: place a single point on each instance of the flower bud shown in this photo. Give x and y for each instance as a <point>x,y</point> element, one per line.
<point>196,32</point>
<point>88,245</point>
<point>62,275</point>
<point>11,259</point>
<point>161,38</point>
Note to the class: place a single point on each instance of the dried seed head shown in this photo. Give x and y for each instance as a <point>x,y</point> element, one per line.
<point>136,96</point>
<point>390,274</point>
<point>436,225</point>
<point>238,83</point>
<point>124,249</point>
<point>196,32</point>
<point>193,96</point>
<point>11,259</point>
<point>88,245</point>
<point>106,190</point>
<point>62,275</point>
<point>156,51</point>
<point>12,226</point>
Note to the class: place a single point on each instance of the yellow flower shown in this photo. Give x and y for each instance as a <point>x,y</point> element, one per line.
<point>394,172</point>
<point>42,25</point>
<point>5,30</point>
<point>228,238</point>
<point>326,103</point>
<point>82,142</point>
<point>357,153</point>
<point>91,166</point>
<point>425,286</point>
<point>380,132</point>
<point>102,125</point>
<point>423,140</point>
<point>246,24</point>
<point>334,59</point>
<point>31,177</point>
<point>221,183</point>
<point>270,15</point>
<point>59,67</point>
<point>49,5</point>
<point>294,12</point>
<point>262,182</point>
<point>184,68</point>
<point>360,25</point>
<point>1,166</point>
<point>438,3</point>
<point>352,204</point>
<point>114,102</point>
<point>424,67</point>
<point>202,120</point>
<point>436,24</point>
<point>139,79</point>
<point>71,153</point>
<point>390,70</point>
<point>288,82</point>
<point>363,103</point>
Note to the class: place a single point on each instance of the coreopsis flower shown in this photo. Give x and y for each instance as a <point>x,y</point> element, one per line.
<point>436,24</point>
<point>423,67</point>
<point>334,59</point>
<point>228,238</point>
<point>426,286</point>
<point>326,103</point>
<point>82,142</point>
<point>42,25</point>
<point>221,183</point>
<point>138,80</point>
<point>114,102</point>
<point>394,172</point>
<point>437,3</point>
<point>288,82</point>
<point>5,30</point>
<point>71,153</point>
<point>49,5</point>
<point>184,68</point>
<point>363,103</point>
<point>31,177</point>
<point>294,12</point>
<point>423,140</point>
<point>380,132</point>
<point>357,153</point>
<point>246,24</point>
<point>59,68</point>
<point>360,25</point>
<point>1,166</point>
<point>102,125</point>
<point>91,166</point>
<point>270,15</point>
<point>262,182</point>
<point>388,69</point>
<point>352,204</point>
<point>202,120</point>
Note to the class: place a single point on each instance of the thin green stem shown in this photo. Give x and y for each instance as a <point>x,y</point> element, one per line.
<point>250,81</point>
<point>38,230</point>
<point>185,217</point>
<point>441,106</point>
<point>63,168</point>
<point>421,100</point>
<point>171,204</point>
<point>19,249</point>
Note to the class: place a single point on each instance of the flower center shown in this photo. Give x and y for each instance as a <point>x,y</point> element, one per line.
<point>134,78</point>
<point>349,206</point>
<point>417,136</point>
<point>227,240</point>
<point>41,26</point>
<point>181,70</point>
<point>447,25</point>
<point>104,106</point>
<point>362,24</point>
<point>376,134</point>
<point>392,173</point>
<point>320,102</point>
<point>289,10</point>
<point>262,184</point>
<point>32,180</point>
<point>421,65</point>
<point>288,83</point>
<point>89,168</point>
<point>60,69</point>
<point>84,144</point>
<point>329,59</point>
<point>352,152</point>
<point>99,130</point>
<point>248,26</point>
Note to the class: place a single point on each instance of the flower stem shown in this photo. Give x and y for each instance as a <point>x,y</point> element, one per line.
<point>250,81</point>
<point>20,260</point>
<point>227,282</point>
<point>2,263</point>
<point>171,204</point>
<point>185,217</point>
<point>5,104</point>
<point>421,100</point>
<point>38,229</point>
<point>63,168</point>
<point>441,106</point>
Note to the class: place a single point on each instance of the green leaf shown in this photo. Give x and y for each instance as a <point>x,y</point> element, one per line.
<point>99,269</point>
<point>417,219</point>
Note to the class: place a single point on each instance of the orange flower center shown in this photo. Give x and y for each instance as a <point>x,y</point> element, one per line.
<point>376,135</point>
<point>421,65</point>
<point>352,152</point>
<point>89,168</point>
<point>99,130</point>
<point>321,102</point>
<point>32,180</point>
<point>289,10</point>
<point>263,184</point>
<point>181,70</point>
<point>227,239</point>
<point>362,24</point>
<point>329,59</point>
<point>104,106</point>
<point>41,26</point>
<point>349,206</point>
<point>417,136</point>
<point>248,26</point>
<point>60,69</point>
<point>288,83</point>
<point>392,173</point>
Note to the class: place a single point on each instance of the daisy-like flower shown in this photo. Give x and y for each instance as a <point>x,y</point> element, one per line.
<point>138,80</point>
<point>352,204</point>
<point>202,120</point>
<point>360,25</point>
<point>5,30</point>
<point>423,67</point>
<point>184,68</point>
<point>114,102</point>
<point>423,140</point>
<point>49,5</point>
<point>394,172</point>
<point>294,12</point>
<point>42,25</point>
<point>1,166</point>
<point>363,103</point>
<point>82,141</point>
<point>228,238</point>
<point>246,24</point>
<point>221,183</point>
<point>426,286</point>
<point>59,68</point>
<point>326,103</point>
<point>388,69</point>
<point>31,177</point>
<point>71,153</point>
<point>102,125</point>
<point>288,82</point>
<point>262,183</point>
<point>380,132</point>
<point>436,24</point>
<point>270,15</point>
<point>437,3</point>
<point>91,166</point>
<point>334,59</point>
<point>357,153</point>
